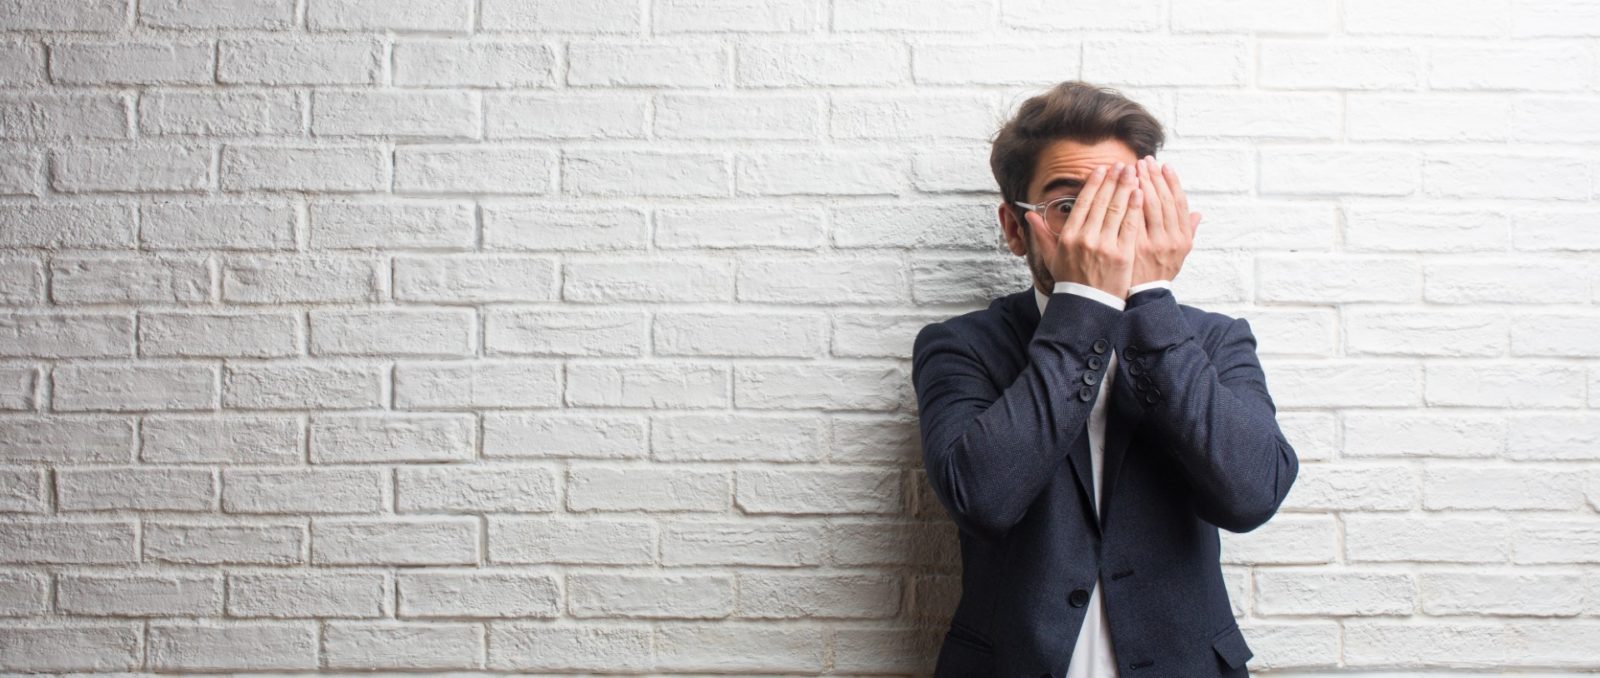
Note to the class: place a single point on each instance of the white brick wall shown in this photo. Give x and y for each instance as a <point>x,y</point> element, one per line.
<point>556,337</point>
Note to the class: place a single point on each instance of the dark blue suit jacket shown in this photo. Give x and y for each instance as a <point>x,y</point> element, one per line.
<point>1192,444</point>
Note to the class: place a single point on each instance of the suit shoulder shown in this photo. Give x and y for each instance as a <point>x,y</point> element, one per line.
<point>1209,326</point>
<point>975,332</point>
<point>969,325</point>
<point>1204,316</point>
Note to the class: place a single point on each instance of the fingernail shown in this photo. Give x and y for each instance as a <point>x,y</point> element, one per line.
<point>1100,169</point>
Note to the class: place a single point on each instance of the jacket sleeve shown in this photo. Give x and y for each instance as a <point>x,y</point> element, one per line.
<point>1214,410</point>
<point>990,452</point>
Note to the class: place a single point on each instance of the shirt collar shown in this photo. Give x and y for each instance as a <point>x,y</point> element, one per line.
<point>1041,299</point>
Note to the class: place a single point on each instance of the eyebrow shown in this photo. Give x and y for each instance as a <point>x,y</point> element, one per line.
<point>1061,182</point>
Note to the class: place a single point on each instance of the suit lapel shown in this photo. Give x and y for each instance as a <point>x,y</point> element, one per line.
<point>1123,416</point>
<point>1078,454</point>
<point>1025,306</point>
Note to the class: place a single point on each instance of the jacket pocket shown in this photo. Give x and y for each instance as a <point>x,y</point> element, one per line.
<point>963,634</point>
<point>1229,644</point>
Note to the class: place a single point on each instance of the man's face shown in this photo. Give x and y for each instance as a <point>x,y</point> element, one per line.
<point>1062,168</point>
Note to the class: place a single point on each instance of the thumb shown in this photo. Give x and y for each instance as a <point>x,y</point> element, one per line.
<point>1035,226</point>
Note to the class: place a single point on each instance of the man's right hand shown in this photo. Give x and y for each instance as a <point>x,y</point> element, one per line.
<point>1098,244</point>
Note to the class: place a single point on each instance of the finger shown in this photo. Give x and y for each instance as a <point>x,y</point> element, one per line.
<point>1086,196</point>
<point>1170,216</point>
<point>1109,207</point>
<point>1152,201</point>
<point>1036,229</point>
<point>1094,220</point>
<point>1181,199</point>
<point>1117,209</point>
<point>1041,242</point>
<point>1136,224</point>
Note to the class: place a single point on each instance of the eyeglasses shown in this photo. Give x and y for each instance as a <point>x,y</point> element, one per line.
<point>1054,212</point>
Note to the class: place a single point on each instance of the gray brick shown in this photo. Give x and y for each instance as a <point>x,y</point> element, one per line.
<point>101,542</point>
<point>232,645</point>
<point>484,488</point>
<point>305,490</point>
<point>272,543</point>
<point>408,646</point>
<point>479,594</point>
<point>141,595</point>
<point>350,541</point>
<point>311,594</point>
<point>72,646</point>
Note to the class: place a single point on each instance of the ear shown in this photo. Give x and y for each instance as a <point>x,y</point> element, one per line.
<point>1011,227</point>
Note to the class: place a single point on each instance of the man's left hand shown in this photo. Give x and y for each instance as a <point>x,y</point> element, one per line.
<point>1168,224</point>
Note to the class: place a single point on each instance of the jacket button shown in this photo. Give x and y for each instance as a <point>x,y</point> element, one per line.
<point>1086,394</point>
<point>1078,598</point>
<point>1095,362</point>
<point>1091,378</point>
<point>1100,346</point>
<point>1130,353</point>
<point>1150,398</point>
<point>1134,369</point>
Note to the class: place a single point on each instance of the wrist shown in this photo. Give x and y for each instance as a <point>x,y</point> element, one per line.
<point>1155,322</point>
<point>1135,290</point>
<point>1118,290</point>
<point>1107,298</point>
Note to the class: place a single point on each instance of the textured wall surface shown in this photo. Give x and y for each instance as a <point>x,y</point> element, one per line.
<point>555,336</point>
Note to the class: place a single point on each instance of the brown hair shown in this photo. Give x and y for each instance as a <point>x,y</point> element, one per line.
<point>1073,110</point>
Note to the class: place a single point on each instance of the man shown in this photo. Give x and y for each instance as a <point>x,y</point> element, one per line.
<point>1095,370</point>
